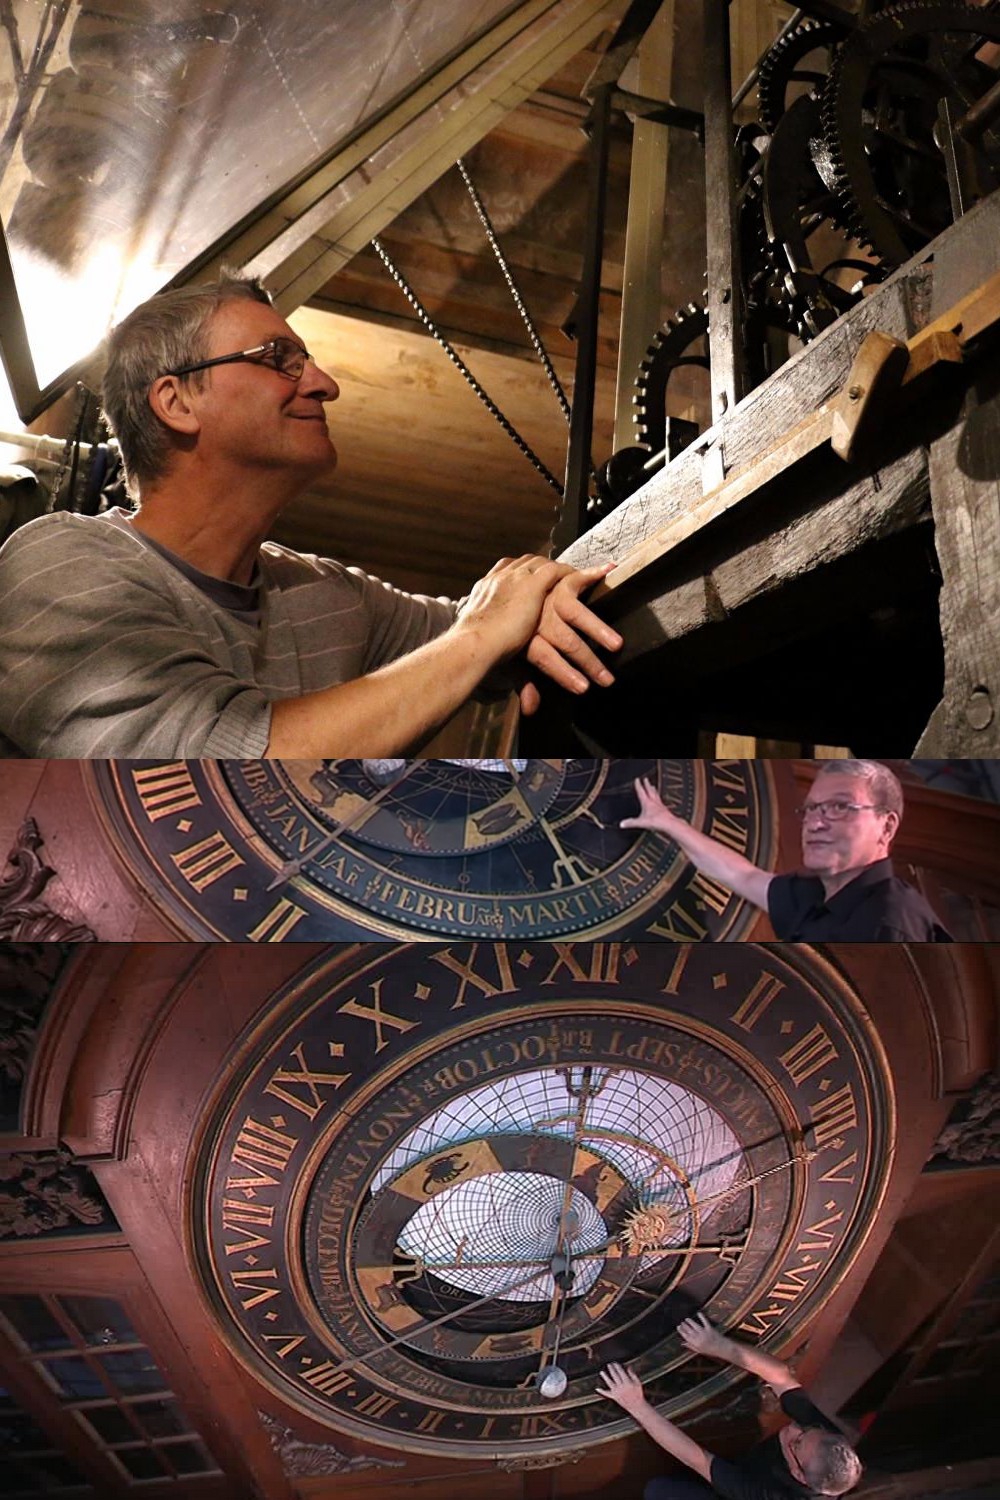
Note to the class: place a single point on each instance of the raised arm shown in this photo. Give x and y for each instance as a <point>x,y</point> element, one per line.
<point>698,1335</point>
<point>715,860</point>
<point>622,1386</point>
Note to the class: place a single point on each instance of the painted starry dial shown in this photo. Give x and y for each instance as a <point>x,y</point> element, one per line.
<point>298,850</point>
<point>445,1184</point>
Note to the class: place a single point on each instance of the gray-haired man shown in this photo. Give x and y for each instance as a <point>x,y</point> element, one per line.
<point>848,891</point>
<point>179,630</point>
<point>808,1457</point>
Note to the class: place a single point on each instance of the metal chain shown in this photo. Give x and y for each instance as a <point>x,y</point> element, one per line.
<point>508,276</point>
<point>462,367</point>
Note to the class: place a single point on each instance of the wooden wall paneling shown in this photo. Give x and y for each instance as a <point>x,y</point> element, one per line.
<point>216,1392</point>
<point>944,831</point>
<point>20,782</point>
<point>80,990</point>
<point>90,885</point>
<point>893,991</point>
<point>218,988</point>
<point>961,982</point>
<point>961,1249</point>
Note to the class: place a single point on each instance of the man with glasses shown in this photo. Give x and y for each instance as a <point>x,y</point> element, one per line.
<point>848,891</point>
<point>178,629</point>
<point>809,1456</point>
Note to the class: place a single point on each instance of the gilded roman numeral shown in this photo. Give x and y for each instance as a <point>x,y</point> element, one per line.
<point>430,1421</point>
<point>811,1053</point>
<point>766,990</point>
<point>678,925</point>
<point>833,1173</point>
<point>166,789</point>
<point>680,963</point>
<point>378,1017</point>
<point>260,1146</point>
<point>714,894</point>
<point>253,1281</point>
<point>275,927</point>
<point>328,1379</point>
<point>207,861</point>
<point>376,1405</point>
<point>537,1426</point>
<point>730,825</point>
<point>238,1216</point>
<point>469,975</point>
<point>723,775</point>
<point>306,1079</point>
<point>833,1116</point>
<point>288,1341</point>
<point>605,959</point>
<point>821,1235</point>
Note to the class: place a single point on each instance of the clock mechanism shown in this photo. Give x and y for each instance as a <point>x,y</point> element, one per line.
<point>445,1185</point>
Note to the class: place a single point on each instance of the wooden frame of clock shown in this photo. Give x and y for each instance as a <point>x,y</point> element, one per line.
<point>406,1125</point>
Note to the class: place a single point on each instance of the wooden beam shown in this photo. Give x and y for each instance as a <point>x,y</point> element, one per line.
<point>965,500</point>
<point>725,291</point>
<point>647,195</point>
<point>970,319</point>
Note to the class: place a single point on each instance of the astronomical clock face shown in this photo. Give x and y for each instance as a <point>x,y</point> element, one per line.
<point>301,850</point>
<point>444,1185</point>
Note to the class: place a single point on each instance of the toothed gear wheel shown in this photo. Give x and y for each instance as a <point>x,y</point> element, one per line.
<point>880,110</point>
<point>797,210</point>
<point>783,66</point>
<point>668,352</point>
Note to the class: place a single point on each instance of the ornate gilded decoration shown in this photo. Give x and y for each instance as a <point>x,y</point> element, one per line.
<point>23,918</point>
<point>49,1194</point>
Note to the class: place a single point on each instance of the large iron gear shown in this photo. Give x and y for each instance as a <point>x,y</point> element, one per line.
<point>798,208</point>
<point>672,349</point>
<point>880,117</point>
<point>784,66</point>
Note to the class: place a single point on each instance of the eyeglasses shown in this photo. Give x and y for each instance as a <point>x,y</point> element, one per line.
<point>835,809</point>
<point>283,355</point>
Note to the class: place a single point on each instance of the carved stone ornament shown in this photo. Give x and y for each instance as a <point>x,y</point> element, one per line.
<point>302,1460</point>
<point>49,1193</point>
<point>972,1135</point>
<point>23,918</point>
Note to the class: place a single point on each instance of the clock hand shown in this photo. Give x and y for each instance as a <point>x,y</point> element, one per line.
<point>561,1264</point>
<point>353,820</point>
<point>564,862</point>
<point>458,1312</point>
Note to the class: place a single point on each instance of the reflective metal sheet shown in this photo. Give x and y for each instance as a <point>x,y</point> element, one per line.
<point>134,134</point>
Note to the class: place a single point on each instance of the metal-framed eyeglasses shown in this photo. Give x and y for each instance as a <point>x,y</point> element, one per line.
<point>835,809</point>
<point>281,354</point>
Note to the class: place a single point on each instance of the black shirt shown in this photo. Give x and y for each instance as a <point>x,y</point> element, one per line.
<point>875,907</point>
<point>763,1474</point>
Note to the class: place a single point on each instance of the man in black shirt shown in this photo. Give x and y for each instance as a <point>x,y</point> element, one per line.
<point>809,1456</point>
<point>849,892</point>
